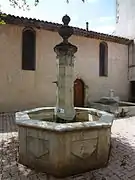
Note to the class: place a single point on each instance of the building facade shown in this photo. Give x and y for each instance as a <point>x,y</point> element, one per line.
<point>125,26</point>
<point>28,64</point>
<point>125,18</point>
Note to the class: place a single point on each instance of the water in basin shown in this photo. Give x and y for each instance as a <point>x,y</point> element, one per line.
<point>48,114</point>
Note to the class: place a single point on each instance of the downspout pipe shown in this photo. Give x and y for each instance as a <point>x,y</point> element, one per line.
<point>131,43</point>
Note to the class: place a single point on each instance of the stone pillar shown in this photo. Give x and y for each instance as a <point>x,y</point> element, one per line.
<point>65,73</point>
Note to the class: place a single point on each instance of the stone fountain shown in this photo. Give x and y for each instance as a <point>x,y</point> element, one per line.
<point>64,140</point>
<point>113,104</point>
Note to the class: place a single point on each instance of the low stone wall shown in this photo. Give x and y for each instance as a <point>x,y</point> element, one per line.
<point>127,108</point>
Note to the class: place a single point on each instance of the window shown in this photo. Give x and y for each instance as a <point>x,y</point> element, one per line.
<point>103,59</point>
<point>28,49</point>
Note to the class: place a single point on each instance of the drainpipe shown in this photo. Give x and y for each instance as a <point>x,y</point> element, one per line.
<point>129,66</point>
<point>129,44</point>
<point>87,26</point>
<point>128,60</point>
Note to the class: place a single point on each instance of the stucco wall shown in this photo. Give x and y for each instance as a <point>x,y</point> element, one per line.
<point>87,68</point>
<point>25,89</point>
<point>126,23</point>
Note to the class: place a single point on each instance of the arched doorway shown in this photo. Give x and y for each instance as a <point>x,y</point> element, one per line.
<point>78,93</point>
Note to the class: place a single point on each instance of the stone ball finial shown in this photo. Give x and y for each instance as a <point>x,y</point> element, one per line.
<point>66,19</point>
<point>65,31</point>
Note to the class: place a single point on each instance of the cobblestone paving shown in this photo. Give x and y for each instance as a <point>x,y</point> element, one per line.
<point>121,164</point>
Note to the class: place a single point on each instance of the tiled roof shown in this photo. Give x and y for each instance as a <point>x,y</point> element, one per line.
<point>16,20</point>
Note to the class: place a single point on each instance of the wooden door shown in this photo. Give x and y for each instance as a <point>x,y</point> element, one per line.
<point>78,93</point>
<point>132,91</point>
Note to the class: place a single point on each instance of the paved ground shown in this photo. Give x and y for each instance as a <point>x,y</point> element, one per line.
<point>121,164</point>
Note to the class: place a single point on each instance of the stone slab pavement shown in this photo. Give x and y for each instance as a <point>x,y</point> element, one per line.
<point>121,164</point>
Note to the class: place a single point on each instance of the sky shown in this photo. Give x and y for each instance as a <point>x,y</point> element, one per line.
<point>99,13</point>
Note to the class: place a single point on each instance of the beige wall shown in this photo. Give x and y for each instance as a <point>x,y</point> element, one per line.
<point>87,67</point>
<point>25,89</point>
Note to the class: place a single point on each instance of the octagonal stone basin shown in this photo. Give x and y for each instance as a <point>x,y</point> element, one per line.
<point>64,149</point>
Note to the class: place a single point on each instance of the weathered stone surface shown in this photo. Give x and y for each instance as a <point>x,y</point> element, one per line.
<point>82,115</point>
<point>65,77</point>
<point>63,149</point>
<point>84,148</point>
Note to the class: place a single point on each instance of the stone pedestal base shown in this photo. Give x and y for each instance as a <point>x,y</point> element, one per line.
<point>64,149</point>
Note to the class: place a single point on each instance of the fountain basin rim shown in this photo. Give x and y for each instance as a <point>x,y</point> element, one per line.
<point>76,108</point>
<point>105,121</point>
<point>61,127</point>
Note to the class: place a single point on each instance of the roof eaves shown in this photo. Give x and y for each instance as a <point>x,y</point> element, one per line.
<point>11,19</point>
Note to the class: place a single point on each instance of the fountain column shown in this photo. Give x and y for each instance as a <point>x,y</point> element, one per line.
<point>65,73</point>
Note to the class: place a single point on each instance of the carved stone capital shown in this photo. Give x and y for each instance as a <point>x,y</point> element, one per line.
<point>65,49</point>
